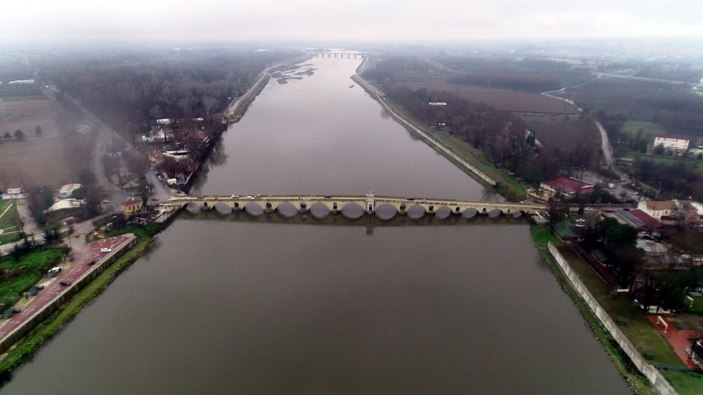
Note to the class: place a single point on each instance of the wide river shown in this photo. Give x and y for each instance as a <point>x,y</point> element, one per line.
<point>285,307</point>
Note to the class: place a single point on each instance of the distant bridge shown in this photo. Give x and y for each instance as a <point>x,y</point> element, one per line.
<point>349,55</point>
<point>368,204</point>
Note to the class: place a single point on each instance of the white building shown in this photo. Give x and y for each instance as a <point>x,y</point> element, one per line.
<point>67,190</point>
<point>670,142</point>
<point>658,209</point>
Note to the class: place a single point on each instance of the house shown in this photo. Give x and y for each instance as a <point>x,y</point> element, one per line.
<point>131,206</point>
<point>13,193</point>
<point>671,142</point>
<point>567,186</point>
<point>67,190</point>
<point>658,209</point>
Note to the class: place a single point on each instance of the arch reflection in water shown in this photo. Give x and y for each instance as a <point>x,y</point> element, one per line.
<point>253,209</point>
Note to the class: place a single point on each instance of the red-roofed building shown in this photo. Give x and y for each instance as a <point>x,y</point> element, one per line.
<point>131,206</point>
<point>567,186</point>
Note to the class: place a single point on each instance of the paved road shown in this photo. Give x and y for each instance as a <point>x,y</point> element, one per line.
<point>71,271</point>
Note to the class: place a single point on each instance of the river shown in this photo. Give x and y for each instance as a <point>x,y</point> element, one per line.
<point>251,306</point>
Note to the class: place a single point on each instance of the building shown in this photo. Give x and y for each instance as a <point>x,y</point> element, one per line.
<point>13,193</point>
<point>567,186</point>
<point>671,142</point>
<point>638,219</point>
<point>658,209</point>
<point>65,204</point>
<point>131,206</point>
<point>67,190</point>
<point>696,152</point>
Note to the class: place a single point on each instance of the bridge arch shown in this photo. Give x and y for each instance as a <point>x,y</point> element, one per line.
<point>353,210</point>
<point>253,208</point>
<point>386,211</point>
<point>495,213</point>
<point>319,210</point>
<point>287,210</point>
<point>222,208</point>
<point>443,212</point>
<point>193,208</point>
<point>469,213</point>
<point>416,211</point>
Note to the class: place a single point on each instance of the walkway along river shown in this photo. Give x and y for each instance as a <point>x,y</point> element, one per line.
<point>250,307</point>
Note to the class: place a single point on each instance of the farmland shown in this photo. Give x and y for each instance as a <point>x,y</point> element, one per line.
<point>39,159</point>
<point>566,131</point>
<point>500,99</point>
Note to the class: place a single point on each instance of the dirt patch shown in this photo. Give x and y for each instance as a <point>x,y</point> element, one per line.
<point>500,99</point>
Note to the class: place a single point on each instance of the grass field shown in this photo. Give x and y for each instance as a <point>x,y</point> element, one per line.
<point>648,128</point>
<point>500,99</point>
<point>24,272</point>
<point>9,221</point>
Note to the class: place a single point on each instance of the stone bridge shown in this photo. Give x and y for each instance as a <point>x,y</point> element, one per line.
<point>369,204</point>
<point>348,55</point>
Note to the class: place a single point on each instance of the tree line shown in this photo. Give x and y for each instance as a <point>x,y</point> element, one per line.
<point>128,93</point>
<point>503,138</point>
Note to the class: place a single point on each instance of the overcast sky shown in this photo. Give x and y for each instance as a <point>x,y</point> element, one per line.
<point>325,20</point>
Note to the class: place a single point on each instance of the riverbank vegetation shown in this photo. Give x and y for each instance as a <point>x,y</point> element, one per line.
<point>29,343</point>
<point>19,271</point>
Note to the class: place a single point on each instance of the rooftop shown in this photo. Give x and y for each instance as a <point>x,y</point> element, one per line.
<point>131,201</point>
<point>672,136</point>
<point>661,205</point>
<point>569,185</point>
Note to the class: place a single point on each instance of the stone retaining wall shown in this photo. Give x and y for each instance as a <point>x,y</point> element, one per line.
<point>648,370</point>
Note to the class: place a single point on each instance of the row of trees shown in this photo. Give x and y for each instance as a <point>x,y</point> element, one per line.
<point>19,134</point>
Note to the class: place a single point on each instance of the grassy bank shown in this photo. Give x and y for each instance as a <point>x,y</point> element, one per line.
<point>26,347</point>
<point>541,236</point>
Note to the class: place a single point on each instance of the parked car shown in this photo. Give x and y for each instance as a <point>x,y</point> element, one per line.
<point>53,272</point>
<point>65,283</point>
<point>91,263</point>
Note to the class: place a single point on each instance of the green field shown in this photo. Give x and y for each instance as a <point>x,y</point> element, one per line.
<point>21,273</point>
<point>668,160</point>
<point>10,224</point>
<point>633,127</point>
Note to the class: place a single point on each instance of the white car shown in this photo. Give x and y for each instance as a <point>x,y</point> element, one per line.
<point>106,250</point>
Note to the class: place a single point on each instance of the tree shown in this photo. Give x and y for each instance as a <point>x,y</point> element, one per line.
<point>7,135</point>
<point>38,130</point>
<point>19,135</point>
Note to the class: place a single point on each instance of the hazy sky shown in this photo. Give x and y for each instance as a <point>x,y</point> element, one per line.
<point>368,20</point>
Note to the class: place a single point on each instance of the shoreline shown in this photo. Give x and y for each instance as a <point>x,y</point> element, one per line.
<point>463,162</point>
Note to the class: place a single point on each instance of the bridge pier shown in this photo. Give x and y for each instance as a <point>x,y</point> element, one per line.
<point>303,208</point>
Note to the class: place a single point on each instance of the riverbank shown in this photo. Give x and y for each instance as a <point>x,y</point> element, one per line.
<point>34,338</point>
<point>460,153</point>
<point>542,236</point>
<point>25,347</point>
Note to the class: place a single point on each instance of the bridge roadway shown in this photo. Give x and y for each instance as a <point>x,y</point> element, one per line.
<point>369,202</point>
